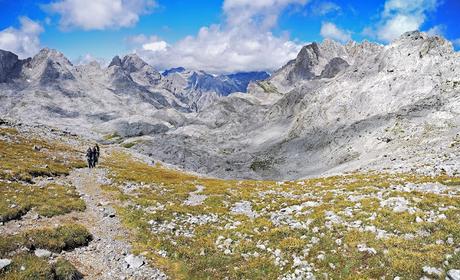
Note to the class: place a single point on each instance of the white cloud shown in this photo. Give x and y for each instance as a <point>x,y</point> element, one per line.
<point>88,58</point>
<point>331,31</point>
<point>326,7</point>
<point>159,46</point>
<point>25,41</point>
<point>397,25</point>
<point>99,14</point>
<point>409,7</point>
<point>261,12</point>
<point>152,43</point>
<point>437,30</point>
<point>456,42</point>
<point>220,50</point>
<point>400,16</point>
<point>243,43</point>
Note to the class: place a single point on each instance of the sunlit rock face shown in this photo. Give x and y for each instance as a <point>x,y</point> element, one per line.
<point>334,108</point>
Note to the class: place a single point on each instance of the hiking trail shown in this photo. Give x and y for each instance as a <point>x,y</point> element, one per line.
<point>108,256</point>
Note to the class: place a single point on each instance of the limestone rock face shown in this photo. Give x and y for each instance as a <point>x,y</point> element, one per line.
<point>334,108</point>
<point>333,67</point>
<point>10,66</point>
<point>49,67</point>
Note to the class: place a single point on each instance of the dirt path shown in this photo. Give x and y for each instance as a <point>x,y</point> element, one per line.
<point>106,256</point>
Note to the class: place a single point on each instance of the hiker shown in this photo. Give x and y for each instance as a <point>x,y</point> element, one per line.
<point>89,157</point>
<point>97,152</point>
<point>94,159</point>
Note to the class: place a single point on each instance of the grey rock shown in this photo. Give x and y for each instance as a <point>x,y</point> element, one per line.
<point>4,263</point>
<point>453,274</point>
<point>116,61</point>
<point>134,261</point>
<point>10,66</point>
<point>42,253</point>
<point>109,212</point>
<point>332,109</point>
<point>333,67</point>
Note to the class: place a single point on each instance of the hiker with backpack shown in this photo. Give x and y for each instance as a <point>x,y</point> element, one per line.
<point>90,157</point>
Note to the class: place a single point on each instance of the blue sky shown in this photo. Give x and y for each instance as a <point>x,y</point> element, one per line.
<point>213,35</point>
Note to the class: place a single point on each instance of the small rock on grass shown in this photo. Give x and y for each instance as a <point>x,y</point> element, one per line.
<point>4,263</point>
<point>453,274</point>
<point>41,253</point>
<point>134,261</point>
<point>432,270</point>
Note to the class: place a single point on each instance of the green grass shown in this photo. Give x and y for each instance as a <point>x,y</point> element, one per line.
<point>64,270</point>
<point>33,268</point>
<point>200,257</point>
<point>111,136</point>
<point>20,162</point>
<point>63,237</point>
<point>131,144</point>
<point>22,158</point>
<point>50,200</point>
<point>27,266</point>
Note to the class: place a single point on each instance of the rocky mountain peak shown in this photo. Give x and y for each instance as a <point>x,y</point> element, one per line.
<point>359,100</point>
<point>133,63</point>
<point>52,55</point>
<point>9,65</point>
<point>116,61</point>
<point>424,43</point>
<point>48,66</point>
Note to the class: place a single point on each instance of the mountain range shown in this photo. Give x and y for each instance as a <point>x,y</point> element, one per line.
<point>334,108</point>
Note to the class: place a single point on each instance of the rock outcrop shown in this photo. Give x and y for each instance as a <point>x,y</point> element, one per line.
<point>334,108</point>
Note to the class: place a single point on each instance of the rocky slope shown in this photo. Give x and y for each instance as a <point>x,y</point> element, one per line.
<point>130,218</point>
<point>334,108</point>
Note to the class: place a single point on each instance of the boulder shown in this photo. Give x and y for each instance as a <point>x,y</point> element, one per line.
<point>134,261</point>
<point>453,274</point>
<point>4,263</point>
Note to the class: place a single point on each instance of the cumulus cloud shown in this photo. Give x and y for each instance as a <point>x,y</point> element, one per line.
<point>152,43</point>
<point>220,50</point>
<point>244,42</point>
<point>331,31</point>
<point>25,41</point>
<point>99,14</point>
<point>400,16</point>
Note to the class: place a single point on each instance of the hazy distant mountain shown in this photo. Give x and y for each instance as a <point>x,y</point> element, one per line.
<point>200,88</point>
<point>222,84</point>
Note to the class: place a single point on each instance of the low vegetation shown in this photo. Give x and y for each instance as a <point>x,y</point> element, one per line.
<point>21,159</point>
<point>262,164</point>
<point>63,237</point>
<point>355,226</point>
<point>25,265</point>
<point>28,169</point>
<point>50,200</point>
